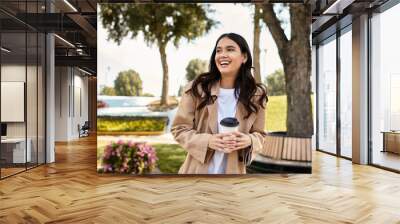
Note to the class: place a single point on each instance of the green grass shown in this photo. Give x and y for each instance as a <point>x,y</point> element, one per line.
<point>275,116</point>
<point>170,157</point>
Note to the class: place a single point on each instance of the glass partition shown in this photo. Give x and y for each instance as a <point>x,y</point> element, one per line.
<point>22,64</point>
<point>13,86</point>
<point>327,95</point>
<point>346,93</point>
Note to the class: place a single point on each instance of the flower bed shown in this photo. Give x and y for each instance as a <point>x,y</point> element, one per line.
<point>128,157</point>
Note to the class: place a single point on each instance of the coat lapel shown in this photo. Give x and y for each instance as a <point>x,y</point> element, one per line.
<point>239,115</point>
<point>213,109</point>
<point>244,124</point>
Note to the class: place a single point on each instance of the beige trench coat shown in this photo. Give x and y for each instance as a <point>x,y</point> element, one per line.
<point>193,128</point>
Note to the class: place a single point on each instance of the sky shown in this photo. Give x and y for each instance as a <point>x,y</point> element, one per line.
<point>135,54</point>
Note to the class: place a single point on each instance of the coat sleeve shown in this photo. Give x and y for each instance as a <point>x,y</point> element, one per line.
<point>184,132</point>
<point>257,135</point>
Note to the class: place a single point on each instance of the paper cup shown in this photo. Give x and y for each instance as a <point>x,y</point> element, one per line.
<point>229,124</point>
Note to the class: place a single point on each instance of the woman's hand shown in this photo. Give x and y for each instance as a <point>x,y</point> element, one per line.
<point>236,141</point>
<point>229,142</point>
<point>218,143</point>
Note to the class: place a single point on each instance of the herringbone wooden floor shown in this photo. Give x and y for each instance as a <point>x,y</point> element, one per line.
<point>70,191</point>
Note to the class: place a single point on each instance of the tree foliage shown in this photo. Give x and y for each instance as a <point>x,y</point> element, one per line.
<point>107,91</point>
<point>276,83</point>
<point>128,83</point>
<point>195,67</point>
<point>159,24</point>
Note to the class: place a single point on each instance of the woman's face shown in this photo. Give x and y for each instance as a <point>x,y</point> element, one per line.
<point>228,57</point>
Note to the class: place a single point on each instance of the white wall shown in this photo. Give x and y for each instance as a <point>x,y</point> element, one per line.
<point>62,81</point>
<point>71,102</point>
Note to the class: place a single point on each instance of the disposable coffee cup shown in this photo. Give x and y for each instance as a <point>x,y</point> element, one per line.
<point>229,124</point>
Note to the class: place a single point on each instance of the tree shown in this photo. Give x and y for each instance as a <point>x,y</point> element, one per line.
<point>195,67</point>
<point>159,24</point>
<point>256,41</point>
<point>295,54</point>
<point>128,83</point>
<point>276,83</point>
<point>107,91</point>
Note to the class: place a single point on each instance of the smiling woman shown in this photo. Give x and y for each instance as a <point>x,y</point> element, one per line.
<point>227,90</point>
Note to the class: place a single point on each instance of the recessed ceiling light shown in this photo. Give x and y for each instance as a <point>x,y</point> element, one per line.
<point>64,40</point>
<point>337,7</point>
<point>86,72</point>
<point>5,50</point>
<point>70,5</point>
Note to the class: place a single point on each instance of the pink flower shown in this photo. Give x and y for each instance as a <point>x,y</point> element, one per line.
<point>142,159</point>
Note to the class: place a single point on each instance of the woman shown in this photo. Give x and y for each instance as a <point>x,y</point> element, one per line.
<point>227,90</point>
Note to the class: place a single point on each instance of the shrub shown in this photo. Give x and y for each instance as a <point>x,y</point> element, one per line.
<point>128,157</point>
<point>121,124</point>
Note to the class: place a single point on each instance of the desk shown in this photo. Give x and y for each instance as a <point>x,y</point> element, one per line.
<point>391,141</point>
<point>15,148</point>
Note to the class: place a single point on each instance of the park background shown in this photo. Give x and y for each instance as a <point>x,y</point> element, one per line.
<point>130,78</point>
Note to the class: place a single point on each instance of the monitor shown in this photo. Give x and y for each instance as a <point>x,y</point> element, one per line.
<point>3,129</point>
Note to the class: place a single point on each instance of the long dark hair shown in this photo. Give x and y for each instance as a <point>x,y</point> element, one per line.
<point>245,84</point>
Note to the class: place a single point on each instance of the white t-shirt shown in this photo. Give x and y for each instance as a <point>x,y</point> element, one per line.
<point>226,108</point>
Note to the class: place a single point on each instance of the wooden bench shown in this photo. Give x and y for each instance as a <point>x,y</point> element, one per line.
<point>273,147</point>
<point>281,147</point>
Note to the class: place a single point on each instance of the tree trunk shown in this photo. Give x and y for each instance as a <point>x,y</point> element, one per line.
<point>298,73</point>
<point>298,89</point>
<point>164,92</point>
<point>256,45</point>
<point>296,59</point>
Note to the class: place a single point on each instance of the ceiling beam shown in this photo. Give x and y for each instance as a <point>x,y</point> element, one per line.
<point>85,25</point>
<point>77,61</point>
